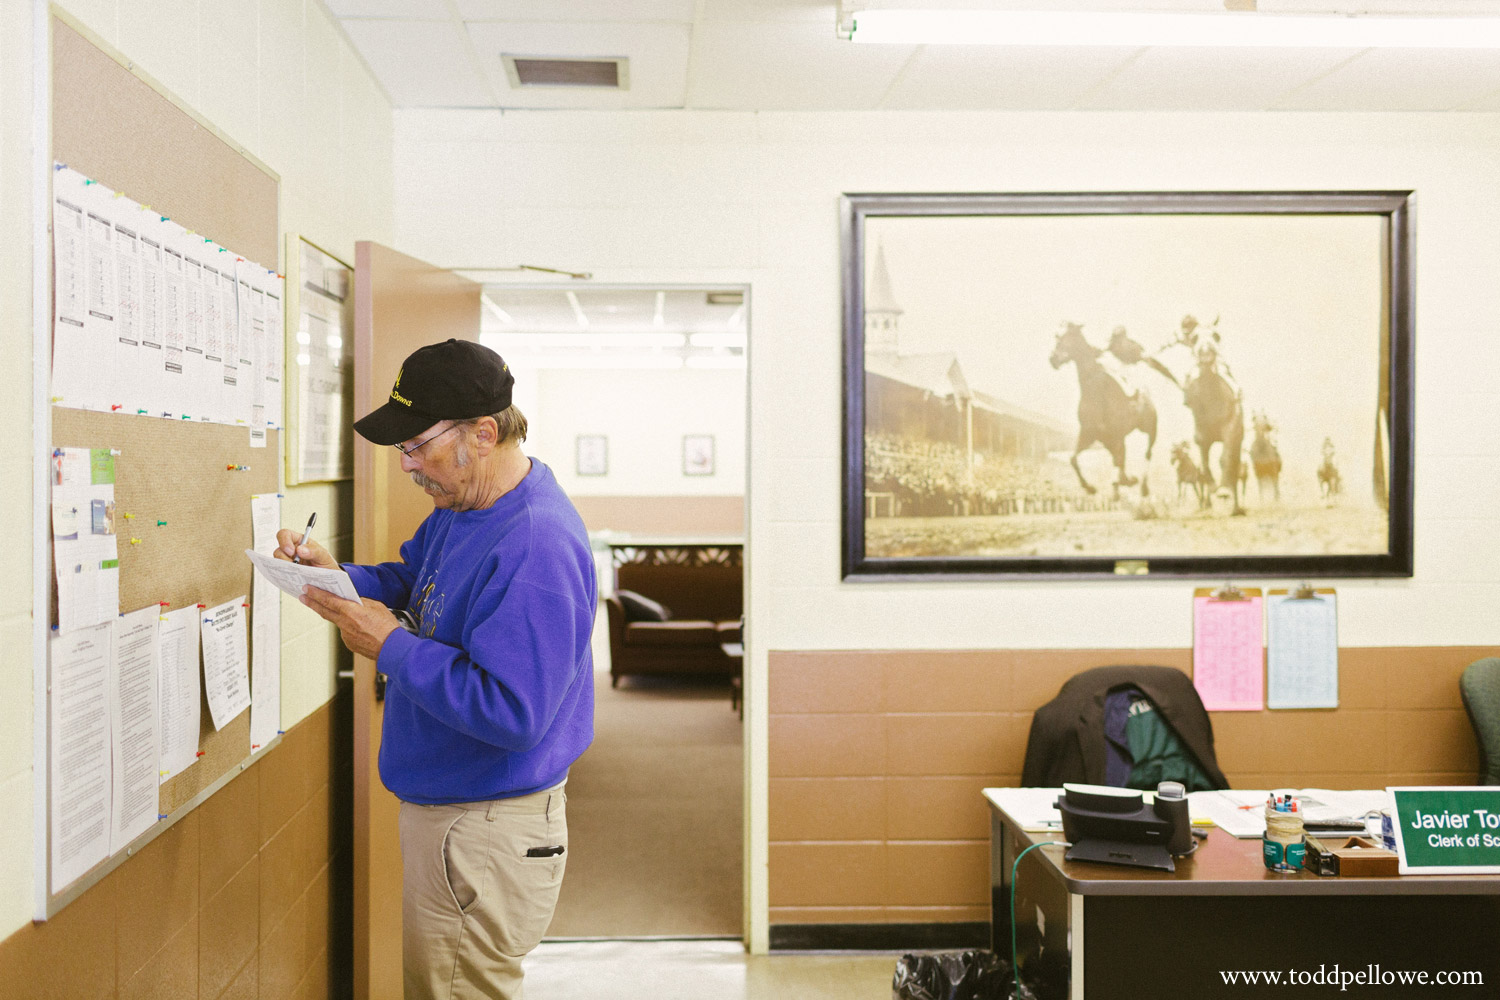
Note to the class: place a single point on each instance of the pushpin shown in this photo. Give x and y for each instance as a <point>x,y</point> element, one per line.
<point>200,753</point>
<point>229,467</point>
<point>186,417</point>
<point>57,399</point>
<point>161,524</point>
<point>203,605</point>
<point>87,181</point>
<point>139,412</point>
<point>129,517</point>
<point>135,541</point>
<point>115,407</point>
<point>165,604</point>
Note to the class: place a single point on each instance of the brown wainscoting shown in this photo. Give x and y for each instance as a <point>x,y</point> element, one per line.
<point>877,759</point>
<point>246,896</point>
<point>669,516</point>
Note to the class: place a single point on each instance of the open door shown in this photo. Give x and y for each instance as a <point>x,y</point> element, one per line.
<point>400,304</point>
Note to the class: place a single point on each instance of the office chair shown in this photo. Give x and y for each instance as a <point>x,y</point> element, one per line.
<point>1480,689</point>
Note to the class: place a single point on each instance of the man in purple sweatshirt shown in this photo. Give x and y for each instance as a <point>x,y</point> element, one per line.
<point>490,697</point>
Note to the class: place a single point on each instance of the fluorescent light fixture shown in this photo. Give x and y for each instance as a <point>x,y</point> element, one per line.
<point>660,320</point>
<point>716,361</point>
<point>304,359</point>
<point>335,344</point>
<point>495,310</point>
<point>583,320</point>
<point>303,337</point>
<point>536,341</point>
<point>717,340</point>
<point>1135,29</point>
<point>608,361</point>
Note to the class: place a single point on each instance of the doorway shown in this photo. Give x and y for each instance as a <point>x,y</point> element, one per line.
<point>636,398</point>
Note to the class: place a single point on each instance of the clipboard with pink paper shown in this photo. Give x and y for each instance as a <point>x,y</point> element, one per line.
<point>1229,649</point>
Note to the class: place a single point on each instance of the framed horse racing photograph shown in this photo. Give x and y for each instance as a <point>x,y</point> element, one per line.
<point>1087,385</point>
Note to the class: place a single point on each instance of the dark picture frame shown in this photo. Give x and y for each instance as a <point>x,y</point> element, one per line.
<point>1009,358</point>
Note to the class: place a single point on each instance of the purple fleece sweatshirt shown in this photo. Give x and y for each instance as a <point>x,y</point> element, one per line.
<point>493,697</point>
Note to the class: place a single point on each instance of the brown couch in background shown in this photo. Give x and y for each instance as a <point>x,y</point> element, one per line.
<point>706,603</point>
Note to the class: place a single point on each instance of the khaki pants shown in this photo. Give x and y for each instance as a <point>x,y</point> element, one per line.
<point>473,904</point>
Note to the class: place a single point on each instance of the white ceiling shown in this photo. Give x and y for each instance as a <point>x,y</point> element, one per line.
<point>784,55</point>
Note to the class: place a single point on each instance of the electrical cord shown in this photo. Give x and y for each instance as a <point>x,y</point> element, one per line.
<point>1015,963</point>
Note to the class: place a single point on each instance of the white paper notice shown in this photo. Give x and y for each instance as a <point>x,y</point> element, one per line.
<point>291,577</point>
<point>179,690</point>
<point>85,551</point>
<point>79,377</point>
<point>226,674</point>
<point>132,712</point>
<point>1302,654</point>
<point>79,734</point>
<point>265,639</point>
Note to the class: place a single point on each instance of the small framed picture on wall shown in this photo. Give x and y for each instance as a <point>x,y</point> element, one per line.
<point>697,454</point>
<point>593,454</point>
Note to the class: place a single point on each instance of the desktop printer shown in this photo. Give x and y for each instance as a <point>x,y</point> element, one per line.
<point>1116,826</point>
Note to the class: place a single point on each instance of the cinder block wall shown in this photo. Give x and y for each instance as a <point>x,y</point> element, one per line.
<point>877,759</point>
<point>246,897</point>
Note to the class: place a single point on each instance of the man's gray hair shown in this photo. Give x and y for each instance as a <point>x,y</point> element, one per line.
<point>511,423</point>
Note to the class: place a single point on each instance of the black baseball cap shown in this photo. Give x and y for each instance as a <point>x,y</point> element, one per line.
<point>454,380</point>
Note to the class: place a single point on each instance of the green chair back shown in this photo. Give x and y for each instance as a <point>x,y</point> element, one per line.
<point>1480,688</point>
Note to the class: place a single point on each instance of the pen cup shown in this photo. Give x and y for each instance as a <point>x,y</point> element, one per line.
<point>1285,843</point>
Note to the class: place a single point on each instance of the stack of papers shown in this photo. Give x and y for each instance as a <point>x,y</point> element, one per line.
<point>1242,812</point>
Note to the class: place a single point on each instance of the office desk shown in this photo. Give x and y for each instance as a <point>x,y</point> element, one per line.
<point>1090,931</point>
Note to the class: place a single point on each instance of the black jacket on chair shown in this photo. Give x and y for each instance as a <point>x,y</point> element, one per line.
<point>1067,733</point>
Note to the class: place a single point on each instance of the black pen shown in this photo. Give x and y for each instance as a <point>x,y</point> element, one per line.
<point>306,534</point>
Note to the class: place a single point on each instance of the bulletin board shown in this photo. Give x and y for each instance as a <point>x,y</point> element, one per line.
<point>187,485</point>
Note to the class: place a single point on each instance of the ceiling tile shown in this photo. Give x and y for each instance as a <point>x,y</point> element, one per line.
<point>575,10</point>
<point>766,66</point>
<point>1402,80</point>
<point>771,10</point>
<point>435,10</point>
<point>1211,79</point>
<point>420,63</point>
<point>983,77</point>
<point>658,56</point>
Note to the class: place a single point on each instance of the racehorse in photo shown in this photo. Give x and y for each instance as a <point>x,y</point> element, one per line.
<point>1189,476</point>
<point>1265,458</point>
<point>1106,413</point>
<point>1218,418</point>
<point>1330,483</point>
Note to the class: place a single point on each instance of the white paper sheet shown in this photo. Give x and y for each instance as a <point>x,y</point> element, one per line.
<point>1032,808</point>
<point>265,642</point>
<point>245,339</point>
<point>1238,813</point>
<point>226,673</point>
<point>173,362</point>
<point>273,366</point>
<point>80,376</point>
<point>1302,652</point>
<point>78,729</point>
<point>85,550</point>
<point>134,666</point>
<point>291,577</point>
<point>179,690</point>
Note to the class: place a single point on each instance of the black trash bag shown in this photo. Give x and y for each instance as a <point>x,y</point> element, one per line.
<point>953,975</point>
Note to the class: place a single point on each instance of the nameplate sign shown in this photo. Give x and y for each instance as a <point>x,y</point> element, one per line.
<point>1453,830</point>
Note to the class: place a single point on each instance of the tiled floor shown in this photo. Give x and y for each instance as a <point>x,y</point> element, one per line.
<point>700,970</point>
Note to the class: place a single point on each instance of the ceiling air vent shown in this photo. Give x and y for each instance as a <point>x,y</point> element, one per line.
<point>612,72</point>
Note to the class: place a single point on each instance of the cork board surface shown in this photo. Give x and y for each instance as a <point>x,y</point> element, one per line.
<point>177,473</point>
<point>110,125</point>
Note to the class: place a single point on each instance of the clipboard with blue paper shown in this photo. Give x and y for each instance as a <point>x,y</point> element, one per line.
<point>1302,648</point>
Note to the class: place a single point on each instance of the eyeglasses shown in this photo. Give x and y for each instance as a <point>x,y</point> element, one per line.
<point>408,452</point>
